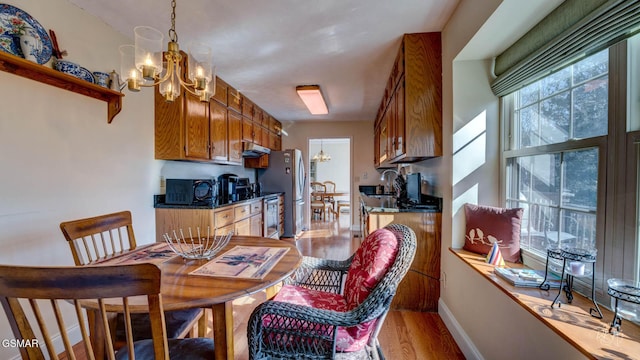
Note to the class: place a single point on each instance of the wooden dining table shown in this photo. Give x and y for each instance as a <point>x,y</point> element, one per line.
<point>181,290</point>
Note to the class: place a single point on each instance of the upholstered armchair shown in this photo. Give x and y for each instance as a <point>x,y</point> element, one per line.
<point>334,309</point>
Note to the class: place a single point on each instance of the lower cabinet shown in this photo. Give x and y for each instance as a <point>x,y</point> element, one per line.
<point>243,219</point>
<point>420,288</point>
<point>281,215</point>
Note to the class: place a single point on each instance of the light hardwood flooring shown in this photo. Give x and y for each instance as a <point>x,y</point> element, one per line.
<point>404,334</point>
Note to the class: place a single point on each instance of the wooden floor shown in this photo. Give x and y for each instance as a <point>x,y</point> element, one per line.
<point>404,334</point>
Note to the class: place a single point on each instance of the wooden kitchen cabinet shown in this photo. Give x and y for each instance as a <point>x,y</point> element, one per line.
<point>181,128</point>
<point>244,218</point>
<point>408,126</point>
<point>213,131</point>
<point>220,94</point>
<point>235,137</point>
<point>420,288</point>
<point>170,220</point>
<point>226,141</point>
<point>219,131</point>
<point>281,214</point>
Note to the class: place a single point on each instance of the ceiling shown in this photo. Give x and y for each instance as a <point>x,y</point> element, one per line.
<point>265,48</point>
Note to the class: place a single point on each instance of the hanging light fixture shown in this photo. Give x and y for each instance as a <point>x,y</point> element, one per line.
<point>321,156</point>
<point>142,64</point>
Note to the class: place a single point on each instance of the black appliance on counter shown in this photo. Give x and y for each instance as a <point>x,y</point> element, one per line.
<point>233,188</point>
<point>415,199</point>
<point>191,192</point>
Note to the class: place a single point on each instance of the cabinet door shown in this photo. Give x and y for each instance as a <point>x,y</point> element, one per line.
<point>383,139</point>
<point>247,107</point>
<point>247,129</point>
<point>265,137</point>
<point>233,99</point>
<point>221,91</point>
<point>243,227</point>
<point>235,137</point>
<point>218,131</point>
<point>258,115</point>
<point>168,220</point>
<point>278,143</point>
<point>376,147</point>
<point>399,131</point>
<point>196,119</point>
<point>256,225</point>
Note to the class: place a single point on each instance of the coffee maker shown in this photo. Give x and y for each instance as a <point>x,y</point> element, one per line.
<point>227,188</point>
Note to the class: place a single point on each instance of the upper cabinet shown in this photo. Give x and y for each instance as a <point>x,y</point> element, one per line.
<point>408,127</point>
<point>188,129</point>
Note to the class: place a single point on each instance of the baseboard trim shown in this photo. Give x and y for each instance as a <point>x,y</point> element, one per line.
<point>465,344</point>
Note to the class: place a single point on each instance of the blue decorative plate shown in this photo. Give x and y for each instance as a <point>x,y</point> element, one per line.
<point>14,21</point>
<point>74,69</point>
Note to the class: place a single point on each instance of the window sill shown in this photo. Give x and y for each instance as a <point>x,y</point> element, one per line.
<point>572,321</point>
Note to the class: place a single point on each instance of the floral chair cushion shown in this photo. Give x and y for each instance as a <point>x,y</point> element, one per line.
<point>370,263</point>
<point>347,339</point>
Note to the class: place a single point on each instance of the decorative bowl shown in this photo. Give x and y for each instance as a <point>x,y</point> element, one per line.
<point>101,78</point>
<point>73,69</point>
<point>196,246</point>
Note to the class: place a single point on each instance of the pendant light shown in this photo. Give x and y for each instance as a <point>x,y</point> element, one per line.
<point>142,64</point>
<point>321,156</point>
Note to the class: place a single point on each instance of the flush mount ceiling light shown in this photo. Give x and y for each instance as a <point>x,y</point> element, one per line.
<point>142,64</point>
<point>312,98</point>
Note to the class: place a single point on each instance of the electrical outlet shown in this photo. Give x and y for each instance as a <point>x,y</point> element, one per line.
<point>365,175</point>
<point>443,279</point>
<point>163,182</point>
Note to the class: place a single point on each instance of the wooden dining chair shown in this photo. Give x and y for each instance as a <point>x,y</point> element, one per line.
<point>330,187</point>
<point>98,238</point>
<point>63,291</point>
<point>318,204</point>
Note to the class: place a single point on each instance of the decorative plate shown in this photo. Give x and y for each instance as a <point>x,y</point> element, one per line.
<point>13,22</point>
<point>74,69</point>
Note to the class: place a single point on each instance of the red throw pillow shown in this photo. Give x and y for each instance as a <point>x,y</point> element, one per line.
<point>487,225</point>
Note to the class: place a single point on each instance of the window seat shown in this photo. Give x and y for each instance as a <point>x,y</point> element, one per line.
<point>572,321</point>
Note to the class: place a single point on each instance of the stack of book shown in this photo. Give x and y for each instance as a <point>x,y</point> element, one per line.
<point>528,277</point>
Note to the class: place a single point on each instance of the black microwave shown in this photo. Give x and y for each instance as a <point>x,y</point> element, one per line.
<point>191,192</point>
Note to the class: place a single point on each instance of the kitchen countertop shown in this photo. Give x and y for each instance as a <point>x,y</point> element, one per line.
<point>387,203</point>
<point>158,202</point>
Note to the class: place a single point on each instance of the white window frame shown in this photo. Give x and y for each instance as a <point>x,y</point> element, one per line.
<point>617,215</point>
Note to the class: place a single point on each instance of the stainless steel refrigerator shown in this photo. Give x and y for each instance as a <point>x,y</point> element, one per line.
<point>286,174</point>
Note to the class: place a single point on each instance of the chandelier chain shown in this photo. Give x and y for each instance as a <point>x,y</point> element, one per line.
<point>173,35</point>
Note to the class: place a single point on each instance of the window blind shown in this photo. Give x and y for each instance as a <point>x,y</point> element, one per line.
<point>574,30</point>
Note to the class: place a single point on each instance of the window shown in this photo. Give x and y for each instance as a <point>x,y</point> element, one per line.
<point>570,161</point>
<point>552,174</point>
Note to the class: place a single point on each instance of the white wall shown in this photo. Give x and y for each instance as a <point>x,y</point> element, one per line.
<point>361,134</point>
<point>485,322</point>
<point>60,160</point>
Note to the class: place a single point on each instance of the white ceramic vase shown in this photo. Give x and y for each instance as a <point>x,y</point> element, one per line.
<point>30,45</point>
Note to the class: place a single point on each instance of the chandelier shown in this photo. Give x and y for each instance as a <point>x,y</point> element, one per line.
<point>142,64</point>
<point>321,156</point>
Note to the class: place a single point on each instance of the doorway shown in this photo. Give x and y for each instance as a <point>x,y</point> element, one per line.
<point>330,161</point>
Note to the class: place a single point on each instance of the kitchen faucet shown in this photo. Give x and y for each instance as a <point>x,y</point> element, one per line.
<point>388,181</point>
